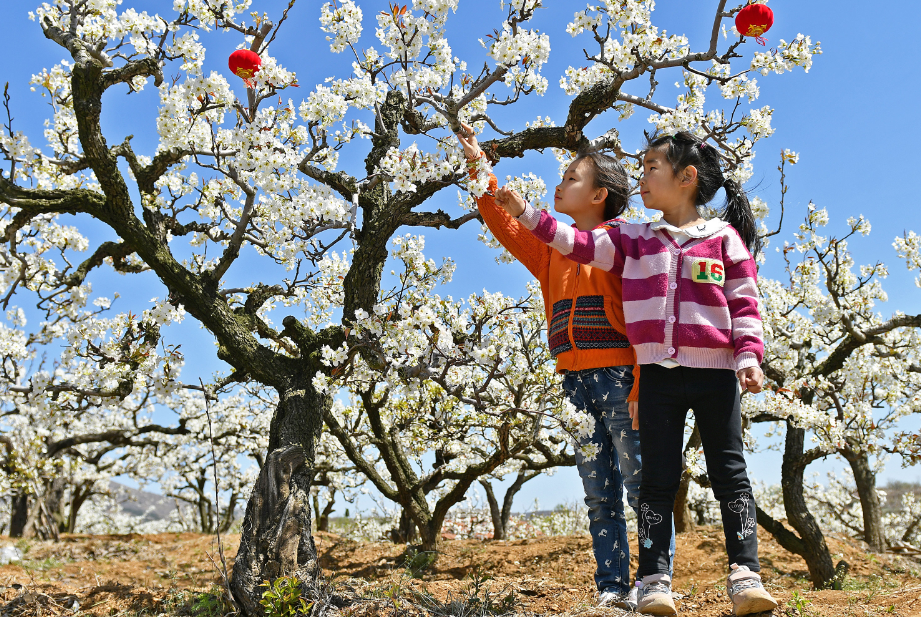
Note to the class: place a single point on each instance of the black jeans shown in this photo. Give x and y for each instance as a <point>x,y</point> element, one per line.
<point>666,394</point>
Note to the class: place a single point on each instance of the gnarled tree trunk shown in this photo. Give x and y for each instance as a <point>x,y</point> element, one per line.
<point>54,502</point>
<point>814,549</point>
<point>276,539</point>
<point>322,515</point>
<point>810,543</point>
<point>81,493</point>
<point>684,519</point>
<point>872,509</point>
<point>405,532</point>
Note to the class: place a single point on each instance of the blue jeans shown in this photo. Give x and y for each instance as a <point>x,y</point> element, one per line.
<point>602,392</point>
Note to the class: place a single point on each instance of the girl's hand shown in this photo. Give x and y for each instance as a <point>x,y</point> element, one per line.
<point>467,139</point>
<point>751,379</point>
<point>511,201</point>
<point>634,408</point>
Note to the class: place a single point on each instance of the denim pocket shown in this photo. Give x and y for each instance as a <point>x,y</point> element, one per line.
<point>619,374</point>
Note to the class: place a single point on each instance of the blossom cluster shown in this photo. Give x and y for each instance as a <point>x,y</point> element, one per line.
<point>410,167</point>
<point>341,19</point>
<point>451,368</point>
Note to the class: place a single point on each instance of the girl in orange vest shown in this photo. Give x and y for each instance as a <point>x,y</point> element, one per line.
<point>587,336</point>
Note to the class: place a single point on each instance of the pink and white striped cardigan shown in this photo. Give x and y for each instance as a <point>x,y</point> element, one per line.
<point>696,303</point>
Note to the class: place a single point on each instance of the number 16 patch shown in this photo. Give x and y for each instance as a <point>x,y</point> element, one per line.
<point>708,271</point>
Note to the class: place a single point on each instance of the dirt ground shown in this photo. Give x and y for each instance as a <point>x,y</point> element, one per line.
<point>168,573</point>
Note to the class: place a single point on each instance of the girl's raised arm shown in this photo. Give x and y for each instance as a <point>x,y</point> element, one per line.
<point>533,254</point>
<point>468,142</point>
<point>596,248</point>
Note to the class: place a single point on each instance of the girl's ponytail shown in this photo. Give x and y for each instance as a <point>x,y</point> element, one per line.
<point>684,149</point>
<point>738,213</point>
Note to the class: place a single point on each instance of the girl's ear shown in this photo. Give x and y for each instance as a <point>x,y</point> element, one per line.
<point>600,196</point>
<point>688,176</point>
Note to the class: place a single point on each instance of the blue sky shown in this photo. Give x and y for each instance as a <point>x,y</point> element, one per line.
<point>850,118</point>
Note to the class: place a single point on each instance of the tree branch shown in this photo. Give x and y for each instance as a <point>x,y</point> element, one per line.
<point>366,467</point>
<point>786,538</point>
<point>118,437</point>
<point>857,338</point>
<point>118,251</point>
<point>340,181</point>
<point>437,219</point>
<point>34,202</point>
<point>148,67</point>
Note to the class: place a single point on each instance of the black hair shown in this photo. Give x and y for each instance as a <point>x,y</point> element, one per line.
<point>608,173</point>
<point>684,149</point>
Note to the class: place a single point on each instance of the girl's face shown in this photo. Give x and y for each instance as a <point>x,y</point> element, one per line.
<point>576,195</point>
<point>660,188</point>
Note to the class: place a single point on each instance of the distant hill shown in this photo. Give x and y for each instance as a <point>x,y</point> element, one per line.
<point>149,506</point>
<point>894,491</point>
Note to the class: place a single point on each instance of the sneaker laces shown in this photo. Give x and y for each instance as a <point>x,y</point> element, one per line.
<point>742,584</point>
<point>657,587</point>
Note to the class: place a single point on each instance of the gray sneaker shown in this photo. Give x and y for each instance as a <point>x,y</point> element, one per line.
<point>655,595</point>
<point>747,593</point>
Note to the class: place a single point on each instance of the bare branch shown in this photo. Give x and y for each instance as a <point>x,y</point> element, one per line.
<point>148,67</point>
<point>648,104</point>
<point>339,181</point>
<point>437,219</point>
<point>491,123</point>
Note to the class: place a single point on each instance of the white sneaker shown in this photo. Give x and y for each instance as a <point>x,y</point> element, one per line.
<point>655,595</point>
<point>747,593</point>
<point>632,598</point>
<point>609,597</point>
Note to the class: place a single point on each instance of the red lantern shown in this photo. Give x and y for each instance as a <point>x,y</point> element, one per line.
<point>244,64</point>
<point>754,20</point>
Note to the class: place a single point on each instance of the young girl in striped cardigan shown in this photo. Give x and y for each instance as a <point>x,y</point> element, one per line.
<point>690,300</point>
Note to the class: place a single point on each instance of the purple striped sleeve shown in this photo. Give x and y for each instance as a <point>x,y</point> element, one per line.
<point>596,248</point>
<point>741,289</point>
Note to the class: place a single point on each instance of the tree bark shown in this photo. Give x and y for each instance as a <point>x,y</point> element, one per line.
<point>872,509</point>
<point>495,512</point>
<point>405,531</point>
<point>501,516</point>
<point>81,493</point>
<point>430,533</point>
<point>276,537</point>
<point>228,518</point>
<point>54,502</point>
<point>812,546</point>
<point>808,542</point>
<point>510,497</point>
<point>323,516</point>
<point>684,519</point>
<point>19,510</point>
<point>203,505</point>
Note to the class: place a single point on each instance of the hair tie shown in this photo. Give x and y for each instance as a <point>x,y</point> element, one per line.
<point>702,145</point>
